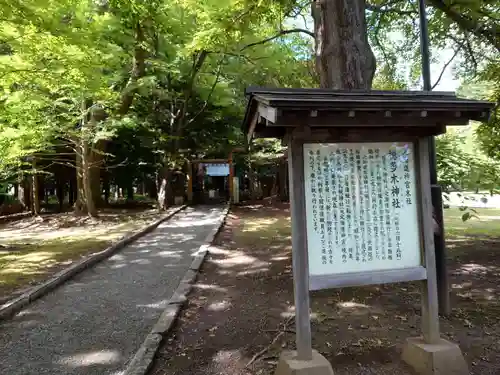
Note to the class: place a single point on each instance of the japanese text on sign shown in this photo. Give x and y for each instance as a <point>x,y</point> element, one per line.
<point>361,207</point>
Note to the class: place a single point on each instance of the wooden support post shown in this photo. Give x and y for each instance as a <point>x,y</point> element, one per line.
<point>231,175</point>
<point>430,316</point>
<point>190,182</point>
<point>299,249</point>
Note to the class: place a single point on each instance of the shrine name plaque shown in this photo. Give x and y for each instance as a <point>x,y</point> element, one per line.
<point>362,211</point>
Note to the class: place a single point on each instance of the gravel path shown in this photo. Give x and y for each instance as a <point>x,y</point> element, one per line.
<point>96,322</point>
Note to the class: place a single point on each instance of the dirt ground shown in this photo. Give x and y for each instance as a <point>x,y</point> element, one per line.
<point>34,248</point>
<point>238,318</point>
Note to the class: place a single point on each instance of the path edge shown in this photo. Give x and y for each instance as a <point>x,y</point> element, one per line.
<point>143,359</point>
<point>13,306</point>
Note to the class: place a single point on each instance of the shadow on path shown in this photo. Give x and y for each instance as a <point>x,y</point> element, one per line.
<point>96,322</point>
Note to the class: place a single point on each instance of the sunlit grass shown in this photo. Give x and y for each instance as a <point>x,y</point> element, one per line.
<point>256,227</point>
<point>24,262</point>
<point>261,228</point>
<point>30,250</point>
<point>486,224</point>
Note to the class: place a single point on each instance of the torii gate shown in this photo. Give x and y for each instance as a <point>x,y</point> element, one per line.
<point>229,161</point>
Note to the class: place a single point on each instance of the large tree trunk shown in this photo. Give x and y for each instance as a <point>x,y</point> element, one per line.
<point>138,70</point>
<point>130,191</point>
<point>60,195</point>
<point>87,179</point>
<point>252,184</point>
<point>165,191</point>
<point>80,191</point>
<point>35,191</point>
<point>24,192</point>
<point>106,187</point>
<point>84,162</point>
<point>283,180</point>
<point>72,188</point>
<point>162,193</point>
<point>43,194</point>
<point>152,189</point>
<point>344,59</point>
<point>96,160</point>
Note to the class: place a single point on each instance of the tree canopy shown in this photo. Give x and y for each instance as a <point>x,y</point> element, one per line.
<point>135,88</point>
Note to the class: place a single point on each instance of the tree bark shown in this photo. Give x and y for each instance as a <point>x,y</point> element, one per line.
<point>43,194</point>
<point>24,192</point>
<point>96,159</point>
<point>152,189</point>
<point>138,70</point>
<point>283,180</point>
<point>344,58</point>
<point>91,208</point>
<point>162,194</point>
<point>130,191</point>
<point>252,184</point>
<point>72,188</point>
<point>141,186</point>
<point>35,196</point>
<point>106,187</point>
<point>85,202</point>
<point>165,191</point>
<point>80,191</point>
<point>60,195</point>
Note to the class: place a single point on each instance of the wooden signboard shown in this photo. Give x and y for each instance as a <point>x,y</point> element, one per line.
<point>360,196</point>
<point>362,213</point>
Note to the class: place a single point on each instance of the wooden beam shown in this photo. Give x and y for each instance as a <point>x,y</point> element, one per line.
<point>253,124</point>
<point>210,161</point>
<point>430,314</point>
<point>299,249</point>
<point>231,175</point>
<point>318,282</point>
<point>382,118</point>
<point>389,134</point>
<point>269,113</point>
<point>190,182</point>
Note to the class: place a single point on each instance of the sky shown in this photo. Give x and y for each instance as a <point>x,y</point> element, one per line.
<point>448,82</point>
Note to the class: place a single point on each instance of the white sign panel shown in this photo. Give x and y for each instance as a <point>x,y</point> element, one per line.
<point>361,207</point>
<point>217,169</point>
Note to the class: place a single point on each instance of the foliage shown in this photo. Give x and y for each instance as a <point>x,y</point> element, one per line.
<point>462,170</point>
<point>467,28</point>
<point>156,77</point>
<point>148,84</point>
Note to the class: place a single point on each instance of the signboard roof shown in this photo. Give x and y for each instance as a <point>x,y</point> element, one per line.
<point>271,111</point>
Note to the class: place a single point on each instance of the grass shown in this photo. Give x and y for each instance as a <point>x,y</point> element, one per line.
<point>486,224</point>
<point>21,263</point>
<point>34,248</point>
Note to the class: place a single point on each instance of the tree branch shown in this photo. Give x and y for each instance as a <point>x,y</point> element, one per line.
<point>138,70</point>
<point>469,50</point>
<point>281,331</point>
<point>243,56</point>
<point>294,12</point>
<point>377,39</point>
<point>280,34</point>
<point>447,64</point>
<point>467,23</point>
<point>382,9</point>
<point>216,81</point>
